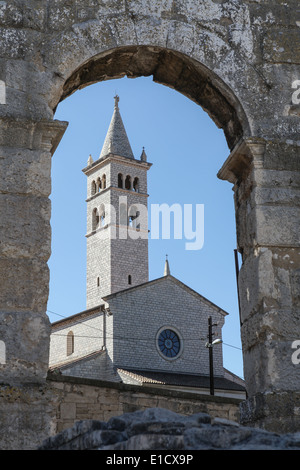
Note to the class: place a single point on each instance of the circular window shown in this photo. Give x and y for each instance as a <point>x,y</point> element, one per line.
<point>168,342</point>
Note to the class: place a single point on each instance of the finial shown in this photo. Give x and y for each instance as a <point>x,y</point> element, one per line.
<point>90,160</point>
<point>117,99</point>
<point>143,155</point>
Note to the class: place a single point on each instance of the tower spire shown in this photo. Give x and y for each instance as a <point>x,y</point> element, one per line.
<point>116,140</point>
<point>167,267</point>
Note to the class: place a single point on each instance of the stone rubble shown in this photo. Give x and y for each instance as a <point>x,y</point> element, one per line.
<point>160,429</point>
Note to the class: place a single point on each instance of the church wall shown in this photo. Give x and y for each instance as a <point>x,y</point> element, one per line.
<point>140,313</point>
<point>88,337</point>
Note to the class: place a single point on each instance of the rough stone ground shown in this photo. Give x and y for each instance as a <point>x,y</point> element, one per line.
<point>160,429</point>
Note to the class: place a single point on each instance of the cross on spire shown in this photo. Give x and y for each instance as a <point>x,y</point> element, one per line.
<point>117,99</point>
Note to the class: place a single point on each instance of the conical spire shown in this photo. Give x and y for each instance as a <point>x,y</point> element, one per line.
<point>116,140</point>
<point>167,267</point>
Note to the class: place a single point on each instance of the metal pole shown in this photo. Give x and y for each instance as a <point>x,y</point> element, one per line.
<point>210,349</point>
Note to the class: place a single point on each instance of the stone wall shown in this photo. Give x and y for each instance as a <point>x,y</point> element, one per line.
<point>169,304</point>
<point>82,399</point>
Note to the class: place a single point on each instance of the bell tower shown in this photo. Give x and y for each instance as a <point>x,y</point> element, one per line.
<point>117,220</point>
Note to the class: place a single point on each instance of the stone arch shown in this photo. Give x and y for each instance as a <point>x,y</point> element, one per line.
<point>173,69</point>
<point>246,125</point>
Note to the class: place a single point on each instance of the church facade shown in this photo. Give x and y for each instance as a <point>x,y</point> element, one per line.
<point>135,330</point>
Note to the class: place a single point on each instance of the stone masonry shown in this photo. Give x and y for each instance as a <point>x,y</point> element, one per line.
<point>117,253</point>
<point>240,61</point>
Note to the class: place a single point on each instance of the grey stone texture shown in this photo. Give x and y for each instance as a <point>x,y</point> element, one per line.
<point>237,59</point>
<point>120,335</point>
<point>117,253</point>
<point>167,302</point>
<point>160,429</point>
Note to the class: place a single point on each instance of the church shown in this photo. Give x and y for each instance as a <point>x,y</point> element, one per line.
<point>135,330</point>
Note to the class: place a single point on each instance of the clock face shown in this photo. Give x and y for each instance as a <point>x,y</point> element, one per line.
<point>169,343</point>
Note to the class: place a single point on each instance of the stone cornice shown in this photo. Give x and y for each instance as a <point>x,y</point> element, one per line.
<point>112,157</point>
<point>33,135</point>
<point>240,160</point>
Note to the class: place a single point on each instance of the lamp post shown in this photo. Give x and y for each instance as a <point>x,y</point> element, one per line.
<point>210,344</point>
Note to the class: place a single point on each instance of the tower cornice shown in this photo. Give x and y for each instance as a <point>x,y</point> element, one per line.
<point>88,170</point>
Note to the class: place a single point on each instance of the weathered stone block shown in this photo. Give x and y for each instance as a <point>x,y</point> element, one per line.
<point>24,285</point>
<point>24,227</point>
<point>34,166</point>
<point>26,338</point>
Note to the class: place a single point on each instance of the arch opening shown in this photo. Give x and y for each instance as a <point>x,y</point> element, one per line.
<point>223,108</point>
<point>170,68</point>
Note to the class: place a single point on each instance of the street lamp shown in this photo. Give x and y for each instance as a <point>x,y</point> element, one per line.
<point>210,344</point>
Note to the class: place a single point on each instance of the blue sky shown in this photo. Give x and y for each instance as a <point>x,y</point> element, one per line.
<point>186,150</point>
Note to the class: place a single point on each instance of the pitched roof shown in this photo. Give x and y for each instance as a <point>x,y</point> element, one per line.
<point>71,361</point>
<point>163,279</point>
<point>179,379</point>
<point>77,317</point>
<point>116,140</point>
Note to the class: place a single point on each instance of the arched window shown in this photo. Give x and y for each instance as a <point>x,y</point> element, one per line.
<point>94,188</point>
<point>104,181</point>
<point>136,185</point>
<point>70,343</point>
<point>129,279</point>
<point>95,219</point>
<point>133,218</point>
<point>120,180</point>
<point>2,353</point>
<point>98,185</point>
<point>128,182</point>
<point>102,215</point>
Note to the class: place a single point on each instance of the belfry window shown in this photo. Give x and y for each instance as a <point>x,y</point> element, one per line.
<point>104,181</point>
<point>136,185</point>
<point>120,180</point>
<point>94,188</point>
<point>128,182</point>
<point>133,218</point>
<point>70,343</point>
<point>102,215</point>
<point>95,219</point>
<point>98,185</point>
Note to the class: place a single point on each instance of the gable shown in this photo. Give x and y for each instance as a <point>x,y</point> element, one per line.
<point>171,285</point>
<point>143,313</point>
